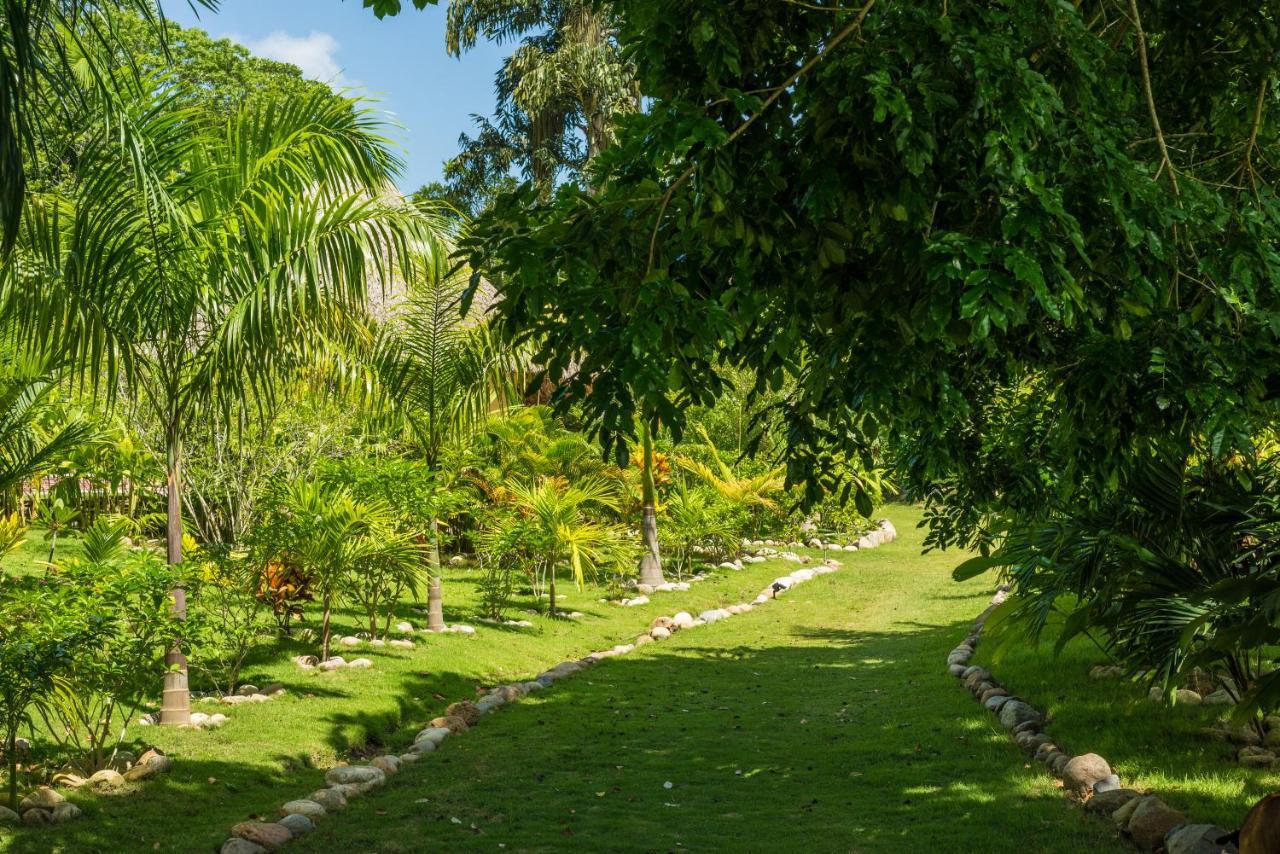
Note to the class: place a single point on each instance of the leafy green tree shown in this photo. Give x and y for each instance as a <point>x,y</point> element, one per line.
<point>899,211</point>
<point>208,263</point>
<point>216,76</point>
<point>124,597</point>
<point>47,47</point>
<point>38,637</point>
<point>227,619</point>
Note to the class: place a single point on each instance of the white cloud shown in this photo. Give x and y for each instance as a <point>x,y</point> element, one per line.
<point>313,53</point>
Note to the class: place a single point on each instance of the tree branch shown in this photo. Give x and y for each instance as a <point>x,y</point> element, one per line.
<point>1165,162</point>
<point>848,30</point>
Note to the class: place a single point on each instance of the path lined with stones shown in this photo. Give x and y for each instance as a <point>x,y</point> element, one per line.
<point>346,782</point>
<point>1143,817</point>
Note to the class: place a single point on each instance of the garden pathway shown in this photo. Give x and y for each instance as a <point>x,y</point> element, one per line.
<point>822,722</point>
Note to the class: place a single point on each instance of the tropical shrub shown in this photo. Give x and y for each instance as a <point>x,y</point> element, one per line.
<point>226,616</point>
<point>39,635</point>
<point>505,544</point>
<point>697,521</point>
<point>333,539</point>
<point>1178,571</point>
<point>124,600</point>
<point>564,527</point>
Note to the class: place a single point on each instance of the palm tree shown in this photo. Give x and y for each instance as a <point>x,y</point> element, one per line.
<point>752,491</point>
<point>442,372</point>
<point>559,511</point>
<point>46,48</point>
<point>205,263</point>
<point>567,77</point>
<point>54,517</point>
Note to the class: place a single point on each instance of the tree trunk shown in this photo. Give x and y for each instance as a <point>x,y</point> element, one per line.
<point>551,588</point>
<point>175,708</point>
<point>651,560</point>
<point>324,626</point>
<point>435,592</point>
<point>13,769</point>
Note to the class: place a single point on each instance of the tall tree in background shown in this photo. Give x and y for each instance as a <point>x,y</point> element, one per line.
<point>566,84</point>
<point>47,47</point>
<point>441,372</point>
<point>563,86</point>
<point>203,265</point>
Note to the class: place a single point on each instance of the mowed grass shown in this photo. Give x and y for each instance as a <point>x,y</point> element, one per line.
<point>32,556</point>
<point>271,752</point>
<point>1150,745</point>
<point>824,721</point>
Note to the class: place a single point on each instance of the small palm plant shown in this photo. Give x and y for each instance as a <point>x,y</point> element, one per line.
<point>332,537</point>
<point>54,518</point>
<point>564,530</point>
<point>754,491</point>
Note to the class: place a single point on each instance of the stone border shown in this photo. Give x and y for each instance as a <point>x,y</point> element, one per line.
<point>1149,822</point>
<point>348,781</point>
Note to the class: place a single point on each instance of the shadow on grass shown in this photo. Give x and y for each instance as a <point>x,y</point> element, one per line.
<point>841,741</point>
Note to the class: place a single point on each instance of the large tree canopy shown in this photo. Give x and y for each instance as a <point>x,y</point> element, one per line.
<point>935,219</point>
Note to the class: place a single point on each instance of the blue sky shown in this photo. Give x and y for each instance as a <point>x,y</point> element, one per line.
<point>401,61</point>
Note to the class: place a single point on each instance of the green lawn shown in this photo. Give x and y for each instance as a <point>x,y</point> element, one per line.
<point>824,721</point>
<point>1149,745</point>
<point>31,557</point>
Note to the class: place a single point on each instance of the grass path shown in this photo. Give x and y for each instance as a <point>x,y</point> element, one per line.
<point>824,721</point>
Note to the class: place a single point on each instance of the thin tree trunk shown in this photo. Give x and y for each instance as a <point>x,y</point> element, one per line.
<point>651,560</point>
<point>13,769</point>
<point>53,543</point>
<point>551,588</point>
<point>435,592</point>
<point>175,708</point>
<point>324,627</point>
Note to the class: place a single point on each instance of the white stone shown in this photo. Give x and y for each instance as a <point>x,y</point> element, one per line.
<point>436,735</point>
<point>404,626</point>
<point>361,662</point>
<point>310,809</point>
<point>639,600</point>
<point>355,774</point>
<point>389,765</point>
<point>349,640</point>
<point>402,644</point>
<point>660,633</point>
<point>682,620</point>
<point>802,575</point>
